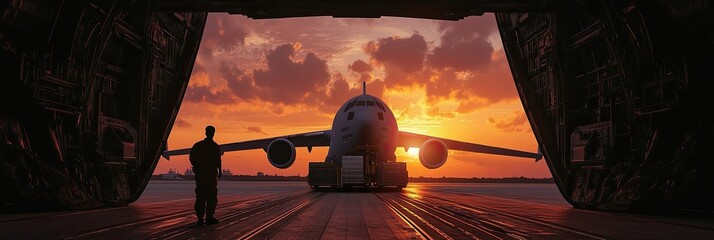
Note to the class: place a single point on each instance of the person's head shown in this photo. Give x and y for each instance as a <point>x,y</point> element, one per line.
<point>210,131</point>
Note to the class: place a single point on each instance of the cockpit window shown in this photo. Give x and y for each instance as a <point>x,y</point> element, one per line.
<point>350,116</point>
<point>380,116</point>
<point>370,103</point>
<point>360,103</point>
<point>349,105</point>
<point>380,106</point>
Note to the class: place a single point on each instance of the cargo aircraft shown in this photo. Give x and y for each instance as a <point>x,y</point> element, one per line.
<point>363,126</point>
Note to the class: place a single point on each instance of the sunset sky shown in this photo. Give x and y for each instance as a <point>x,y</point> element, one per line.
<point>263,78</point>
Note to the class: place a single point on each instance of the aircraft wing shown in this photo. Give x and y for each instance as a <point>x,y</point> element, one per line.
<point>406,140</point>
<point>309,140</point>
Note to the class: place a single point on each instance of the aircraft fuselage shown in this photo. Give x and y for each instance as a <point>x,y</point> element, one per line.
<point>363,122</point>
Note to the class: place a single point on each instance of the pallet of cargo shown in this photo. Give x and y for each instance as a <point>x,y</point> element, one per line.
<point>353,170</point>
<point>323,174</point>
<point>392,174</point>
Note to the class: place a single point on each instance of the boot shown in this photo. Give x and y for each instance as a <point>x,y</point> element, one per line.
<point>211,220</point>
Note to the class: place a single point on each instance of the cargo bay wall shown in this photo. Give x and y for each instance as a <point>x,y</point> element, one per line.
<point>88,94</point>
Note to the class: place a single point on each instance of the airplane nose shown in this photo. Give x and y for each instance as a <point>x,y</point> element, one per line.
<point>367,133</point>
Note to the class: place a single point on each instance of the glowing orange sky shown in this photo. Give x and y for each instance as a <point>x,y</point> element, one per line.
<point>262,78</point>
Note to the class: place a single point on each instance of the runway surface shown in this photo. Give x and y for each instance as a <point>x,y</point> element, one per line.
<point>291,210</point>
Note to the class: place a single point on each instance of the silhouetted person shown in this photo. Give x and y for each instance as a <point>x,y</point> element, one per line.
<point>205,158</point>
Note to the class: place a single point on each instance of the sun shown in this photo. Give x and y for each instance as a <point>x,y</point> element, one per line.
<point>413,152</point>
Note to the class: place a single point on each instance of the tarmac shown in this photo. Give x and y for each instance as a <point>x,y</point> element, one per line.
<point>292,210</point>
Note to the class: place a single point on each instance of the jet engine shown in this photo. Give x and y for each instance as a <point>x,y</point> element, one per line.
<point>433,153</point>
<point>281,153</point>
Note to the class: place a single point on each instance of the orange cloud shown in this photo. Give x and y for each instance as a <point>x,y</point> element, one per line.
<point>288,81</point>
<point>221,32</point>
<point>434,112</point>
<point>360,66</point>
<point>406,54</point>
<point>208,94</point>
<point>182,123</point>
<point>513,123</point>
<point>255,129</point>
